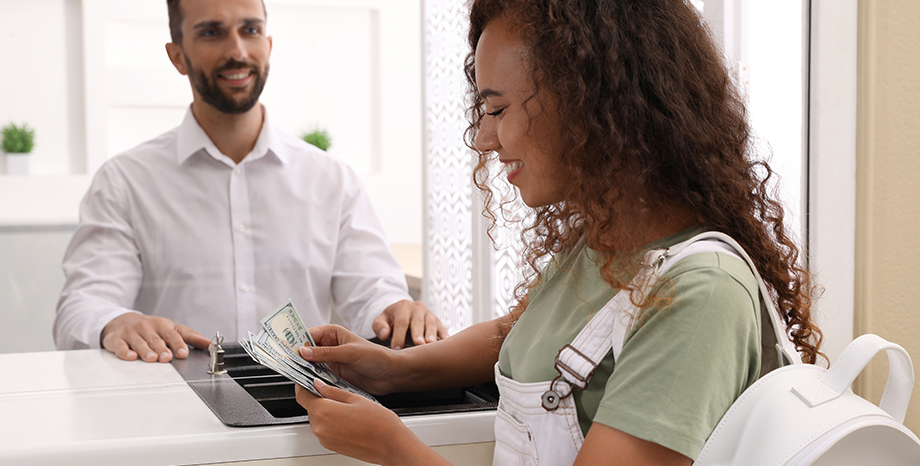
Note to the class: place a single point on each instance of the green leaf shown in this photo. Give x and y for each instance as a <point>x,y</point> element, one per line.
<point>319,138</point>
<point>18,139</point>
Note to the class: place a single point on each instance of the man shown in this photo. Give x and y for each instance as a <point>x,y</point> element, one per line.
<point>214,224</point>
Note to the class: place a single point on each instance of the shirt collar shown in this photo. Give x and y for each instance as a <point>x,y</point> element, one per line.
<point>192,139</point>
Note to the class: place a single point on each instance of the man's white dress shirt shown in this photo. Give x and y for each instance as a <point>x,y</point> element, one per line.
<point>175,228</point>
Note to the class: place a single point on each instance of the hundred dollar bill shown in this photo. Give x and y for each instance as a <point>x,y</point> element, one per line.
<point>266,359</point>
<point>263,357</point>
<point>270,359</point>
<point>285,327</point>
<point>277,346</point>
<point>248,347</point>
<point>269,345</point>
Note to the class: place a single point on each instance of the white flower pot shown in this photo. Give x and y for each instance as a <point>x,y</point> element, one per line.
<point>17,164</point>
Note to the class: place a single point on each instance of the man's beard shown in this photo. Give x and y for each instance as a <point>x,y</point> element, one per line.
<point>215,97</point>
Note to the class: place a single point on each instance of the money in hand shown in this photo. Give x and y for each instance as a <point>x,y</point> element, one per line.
<point>277,346</point>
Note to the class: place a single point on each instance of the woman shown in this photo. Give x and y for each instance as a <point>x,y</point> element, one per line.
<point>620,127</point>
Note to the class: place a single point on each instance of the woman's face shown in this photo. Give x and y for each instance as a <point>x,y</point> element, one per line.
<point>521,126</point>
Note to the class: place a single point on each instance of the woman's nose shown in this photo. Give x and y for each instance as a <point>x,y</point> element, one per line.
<point>486,137</point>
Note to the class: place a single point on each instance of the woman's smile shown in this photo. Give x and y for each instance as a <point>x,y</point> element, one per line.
<point>512,168</point>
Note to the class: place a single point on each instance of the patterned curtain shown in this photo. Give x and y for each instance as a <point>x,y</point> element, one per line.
<point>447,287</point>
<point>467,279</point>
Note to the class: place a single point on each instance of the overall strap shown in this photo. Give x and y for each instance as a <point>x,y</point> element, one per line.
<point>607,330</point>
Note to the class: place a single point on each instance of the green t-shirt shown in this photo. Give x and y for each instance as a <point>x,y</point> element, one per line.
<point>684,362</point>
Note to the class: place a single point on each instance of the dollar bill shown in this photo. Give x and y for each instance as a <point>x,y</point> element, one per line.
<point>295,376</point>
<point>277,346</point>
<point>286,328</point>
<point>269,345</point>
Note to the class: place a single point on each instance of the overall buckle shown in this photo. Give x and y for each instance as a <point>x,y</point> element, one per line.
<point>552,397</point>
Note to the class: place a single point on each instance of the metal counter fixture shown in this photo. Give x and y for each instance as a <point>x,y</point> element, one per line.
<point>216,366</point>
<point>250,394</point>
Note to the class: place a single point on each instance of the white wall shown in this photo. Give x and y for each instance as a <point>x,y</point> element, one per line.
<point>34,87</point>
<point>30,280</point>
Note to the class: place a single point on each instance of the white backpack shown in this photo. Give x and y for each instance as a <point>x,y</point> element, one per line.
<point>802,414</point>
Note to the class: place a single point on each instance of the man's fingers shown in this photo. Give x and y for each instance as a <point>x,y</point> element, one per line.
<point>401,319</point>
<point>157,344</point>
<point>120,348</point>
<point>417,323</point>
<point>381,327</point>
<point>193,338</point>
<point>139,344</point>
<point>149,338</point>
<point>442,330</point>
<point>176,343</point>
<point>432,327</point>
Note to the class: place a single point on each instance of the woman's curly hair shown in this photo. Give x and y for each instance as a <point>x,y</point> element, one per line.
<point>652,114</point>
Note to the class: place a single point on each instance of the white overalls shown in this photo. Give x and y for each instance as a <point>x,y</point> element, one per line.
<point>536,423</point>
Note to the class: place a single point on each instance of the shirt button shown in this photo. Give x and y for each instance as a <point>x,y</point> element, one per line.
<point>241,227</point>
<point>237,171</point>
<point>244,287</point>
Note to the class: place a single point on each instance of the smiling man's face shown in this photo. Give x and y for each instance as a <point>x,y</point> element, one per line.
<point>224,52</point>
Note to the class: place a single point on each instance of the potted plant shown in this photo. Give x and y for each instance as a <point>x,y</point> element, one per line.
<point>319,138</point>
<point>17,144</point>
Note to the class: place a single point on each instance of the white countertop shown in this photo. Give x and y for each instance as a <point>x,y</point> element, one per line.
<point>89,407</point>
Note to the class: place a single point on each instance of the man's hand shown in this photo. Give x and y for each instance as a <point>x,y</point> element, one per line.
<point>411,316</point>
<point>155,338</point>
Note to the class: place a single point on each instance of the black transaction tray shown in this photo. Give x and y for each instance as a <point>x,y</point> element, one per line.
<point>250,394</point>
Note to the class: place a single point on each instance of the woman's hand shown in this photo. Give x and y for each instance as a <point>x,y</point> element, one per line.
<point>357,427</point>
<point>464,359</point>
<point>371,367</point>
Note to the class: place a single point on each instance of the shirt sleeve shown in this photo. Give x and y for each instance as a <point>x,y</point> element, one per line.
<point>102,266</point>
<point>690,355</point>
<point>366,277</point>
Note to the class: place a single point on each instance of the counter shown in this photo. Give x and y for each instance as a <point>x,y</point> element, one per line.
<point>89,407</point>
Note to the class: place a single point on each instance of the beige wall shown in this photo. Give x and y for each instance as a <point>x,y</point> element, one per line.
<point>888,185</point>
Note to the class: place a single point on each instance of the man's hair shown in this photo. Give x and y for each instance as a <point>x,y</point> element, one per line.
<point>175,20</point>
<point>176,17</point>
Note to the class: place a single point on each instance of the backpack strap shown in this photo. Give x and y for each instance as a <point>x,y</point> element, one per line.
<point>851,363</point>
<point>607,330</point>
<point>776,342</point>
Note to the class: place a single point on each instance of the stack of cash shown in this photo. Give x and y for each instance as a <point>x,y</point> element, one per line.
<point>277,346</point>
